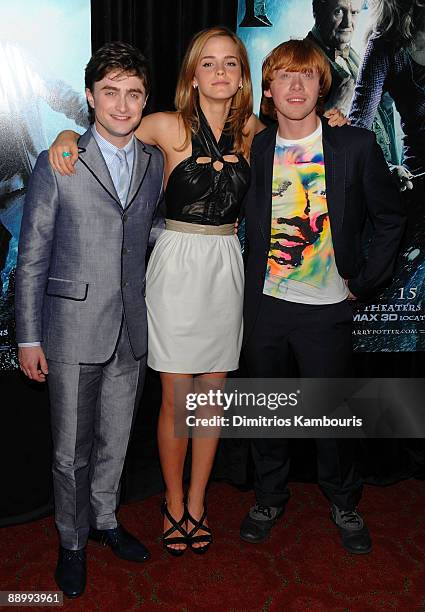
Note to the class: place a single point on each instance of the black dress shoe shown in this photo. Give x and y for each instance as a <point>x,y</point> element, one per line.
<point>70,572</point>
<point>123,544</point>
<point>352,529</point>
<point>256,526</point>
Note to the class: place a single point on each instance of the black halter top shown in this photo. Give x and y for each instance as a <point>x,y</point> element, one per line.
<point>197,192</point>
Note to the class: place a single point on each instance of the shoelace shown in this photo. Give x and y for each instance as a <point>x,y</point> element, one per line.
<point>264,510</point>
<point>74,555</point>
<point>112,537</point>
<point>350,516</point>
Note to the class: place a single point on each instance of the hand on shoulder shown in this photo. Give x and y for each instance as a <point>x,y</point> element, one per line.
<point>63,153</point>
<point>336,117</point>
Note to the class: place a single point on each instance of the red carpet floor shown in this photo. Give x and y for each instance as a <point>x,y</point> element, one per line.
<point>302,566</point>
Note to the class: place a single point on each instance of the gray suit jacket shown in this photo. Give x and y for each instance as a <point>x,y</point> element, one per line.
<point>81,261</point>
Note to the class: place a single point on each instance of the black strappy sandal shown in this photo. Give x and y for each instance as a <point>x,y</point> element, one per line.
<point>176,526</point>
<point>192,538</point>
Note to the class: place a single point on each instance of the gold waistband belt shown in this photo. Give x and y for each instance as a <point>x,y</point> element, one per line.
<point>195,228</point>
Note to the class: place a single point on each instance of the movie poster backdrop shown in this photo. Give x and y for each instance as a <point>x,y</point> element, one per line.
<point>395,319</point>
<point>44,47</point>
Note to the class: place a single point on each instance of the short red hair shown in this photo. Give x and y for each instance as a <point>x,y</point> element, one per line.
<point>295,56</point>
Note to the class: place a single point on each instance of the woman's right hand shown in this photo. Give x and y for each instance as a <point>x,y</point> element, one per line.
<point>65,142</point>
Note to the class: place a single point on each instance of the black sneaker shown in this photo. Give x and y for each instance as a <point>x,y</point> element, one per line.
<point>353,531</point>
<point>256,526</point>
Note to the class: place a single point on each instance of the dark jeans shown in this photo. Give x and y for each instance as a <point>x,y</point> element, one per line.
<point>320,339</point>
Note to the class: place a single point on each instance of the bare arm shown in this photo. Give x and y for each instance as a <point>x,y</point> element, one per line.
<point>252,127</point>
<point>257,125</point>
<point>159,129</point>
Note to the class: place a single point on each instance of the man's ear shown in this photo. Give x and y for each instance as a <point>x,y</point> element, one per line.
<point>267,93</point>
<point>89,97</point>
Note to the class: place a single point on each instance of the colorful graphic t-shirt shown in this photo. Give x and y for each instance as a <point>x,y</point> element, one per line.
<point>301,262</point>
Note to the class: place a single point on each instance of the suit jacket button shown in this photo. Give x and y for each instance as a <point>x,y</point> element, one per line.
<point>124,219</point>
<point>125,251</point>
<point>125,284</point>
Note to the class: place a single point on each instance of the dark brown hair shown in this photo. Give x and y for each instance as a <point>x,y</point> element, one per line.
<point>118,57</point>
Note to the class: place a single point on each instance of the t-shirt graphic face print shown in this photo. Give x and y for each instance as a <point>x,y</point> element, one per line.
<point>301,249</point>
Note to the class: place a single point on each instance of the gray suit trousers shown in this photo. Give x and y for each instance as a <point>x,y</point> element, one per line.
<point>92,409</point>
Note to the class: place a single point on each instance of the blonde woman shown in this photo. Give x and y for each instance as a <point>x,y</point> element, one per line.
<point>194,284</point>
<point>195,275</point>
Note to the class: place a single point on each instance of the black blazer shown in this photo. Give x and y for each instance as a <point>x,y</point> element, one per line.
<point>358,184</point>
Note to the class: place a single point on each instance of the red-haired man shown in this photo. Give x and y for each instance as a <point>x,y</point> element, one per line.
<point>312,188</point>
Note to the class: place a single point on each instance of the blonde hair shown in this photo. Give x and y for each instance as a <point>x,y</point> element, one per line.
<point>295,56</point>
<point>398,20</point>
<point>186,98</point>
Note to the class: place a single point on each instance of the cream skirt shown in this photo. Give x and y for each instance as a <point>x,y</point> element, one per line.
<point>194,293</point>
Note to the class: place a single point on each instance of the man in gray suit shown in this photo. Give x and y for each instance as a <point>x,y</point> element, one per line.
<point>80,305</point>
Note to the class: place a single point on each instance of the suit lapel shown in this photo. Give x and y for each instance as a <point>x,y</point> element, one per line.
<point>92,158</point>
<point>140,165</point>
<point>264,185</point>
<point>335,159</point>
